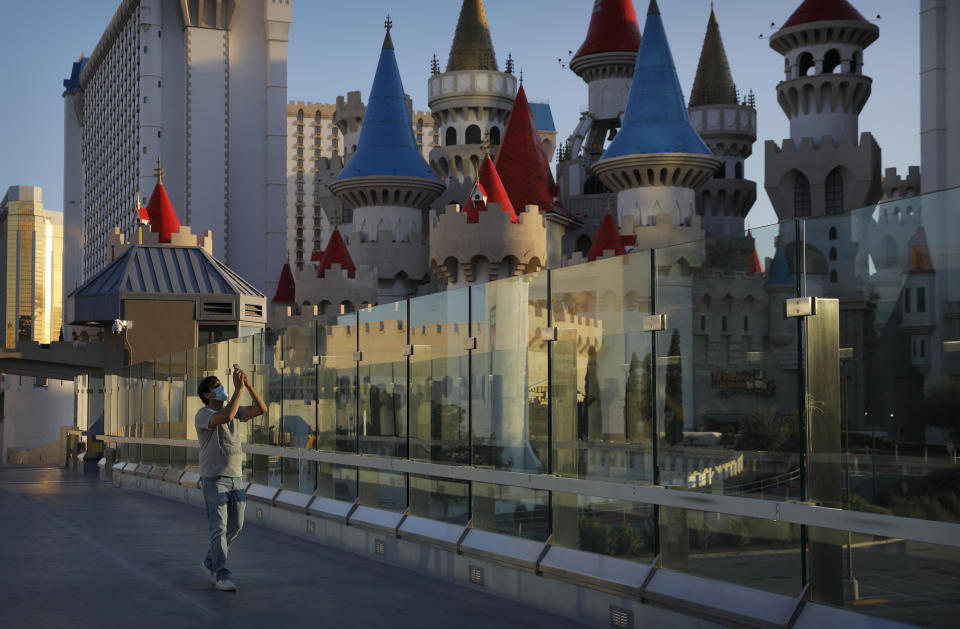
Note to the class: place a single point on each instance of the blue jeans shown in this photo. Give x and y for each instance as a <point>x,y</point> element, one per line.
<point>226,499</point>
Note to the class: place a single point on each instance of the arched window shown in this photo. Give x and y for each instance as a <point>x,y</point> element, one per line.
<point>583,244</point>
<point>833,233</point>
<point>801,196</point>
<point>804,64</point>
<point>450,138</point>
<point>831,61</point>
<point>300,115</point>
<point>419,124</point>
<point>834,192</point>
<point>833,253</point>
<point>855,63</point>
<point>473,135</point>
<point>738,170</point>
<point>494,135</point>
<point>833,277</point>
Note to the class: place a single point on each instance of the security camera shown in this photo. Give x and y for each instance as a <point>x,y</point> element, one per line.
<point>119,325</point>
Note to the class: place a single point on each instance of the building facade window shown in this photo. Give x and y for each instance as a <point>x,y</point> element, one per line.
<point>921,299</point>
<point>801,196</point>
<point>834,192</point>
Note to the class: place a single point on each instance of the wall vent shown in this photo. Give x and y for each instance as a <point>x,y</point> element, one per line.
<point>379,547</point>
<point>476,575</point>
<point>254,311</point>
<point>621,618</point>
<point>311,527</point>
<point>259,513</point>
<point>219,308</point>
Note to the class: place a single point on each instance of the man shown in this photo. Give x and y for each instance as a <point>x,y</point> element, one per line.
<point>221,463</point>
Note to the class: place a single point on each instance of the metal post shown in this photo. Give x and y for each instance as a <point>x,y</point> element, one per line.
<point>654,412</point>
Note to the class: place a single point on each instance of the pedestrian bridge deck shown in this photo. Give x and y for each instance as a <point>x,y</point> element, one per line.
<point>77,552</point>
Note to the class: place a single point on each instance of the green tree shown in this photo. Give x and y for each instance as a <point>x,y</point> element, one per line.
<point>592,421</point>
<point>637,400</point>
<point>673,393</point>
<point>941,406</point>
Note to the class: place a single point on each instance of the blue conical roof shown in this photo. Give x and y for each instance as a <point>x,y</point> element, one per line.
<point>386,146</point>
<point>779,274</point>
<point>656,119</point>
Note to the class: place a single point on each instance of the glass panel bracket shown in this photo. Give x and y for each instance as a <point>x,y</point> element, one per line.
<point>655,323</point>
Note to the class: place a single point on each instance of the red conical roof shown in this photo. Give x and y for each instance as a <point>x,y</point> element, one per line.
<point>523,169</point>
<point>163,220</point>
<point>613,28</point>
<point>608,239</point>
<point>491,187</point>
<point>317,255</point>
<point>822,11</point>
<point>755,266</point>
<point>336,253</point>
<point>286,288</point>
<point>920,261</point>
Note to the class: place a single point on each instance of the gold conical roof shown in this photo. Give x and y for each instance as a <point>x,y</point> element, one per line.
<point>714,83</point>
<point>472,48</point>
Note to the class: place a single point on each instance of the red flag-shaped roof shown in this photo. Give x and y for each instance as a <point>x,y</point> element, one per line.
<point>523,169</point>
<point>608,239</point>
<point>822,11</point>
<point>286,288</point>
<point>143,214</point>
<point>317,255</point>
<point>613,28</point>
<point>336,253</point>
<point>163,219</point>
<point>920,261</point>
<point>491,187</point>
<point>754,266</point>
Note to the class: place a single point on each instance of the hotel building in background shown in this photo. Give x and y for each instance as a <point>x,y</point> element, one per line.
<point>31,243</point>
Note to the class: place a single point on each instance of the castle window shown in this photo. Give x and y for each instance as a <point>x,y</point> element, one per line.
<point>723,323</point>
<point>738,170</point>
<point>831,61</point>
<point>746,323</point>
<point>420,124</point>
<point>833,253</point>
<point>921,299</point>
<point>833,233</point>
<point>833,277</point>
<point>450,139</point>
<point>801,196</point>
<point>300,129</point>
<point>494,135</point>
<point>703,323</point>
<point>300,115</point>
<point>473,135</point>
<point>804,64</point>
<point>906,300</point>
<point>834,192</point>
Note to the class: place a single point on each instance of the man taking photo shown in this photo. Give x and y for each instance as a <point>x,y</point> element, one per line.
<point>221,467</point>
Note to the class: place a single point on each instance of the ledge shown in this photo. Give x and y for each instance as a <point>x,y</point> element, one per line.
<point>330,509</point>
<point>262,493</point>
<point>601,572</point>
<point>190,479</point>
<point>515,552</point>
<point>293,501</point>
<point>434,533</point>
<point>385,522</point>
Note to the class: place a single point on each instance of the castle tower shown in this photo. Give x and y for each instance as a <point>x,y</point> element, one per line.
<point>657,159</point>
<point>488,240</point>
<point>729,128</point>
<point>919,302</point>
<point>605,61</point>
<point>824,168</point>
<point>469,100</point>
<point>389,187</point>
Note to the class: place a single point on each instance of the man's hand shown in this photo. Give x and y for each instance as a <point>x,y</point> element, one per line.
<point>238,377</point>
<point>245,378</point>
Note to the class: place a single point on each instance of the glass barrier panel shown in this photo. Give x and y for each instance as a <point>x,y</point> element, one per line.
<point>752,552</point>
<point>511,510</point>
<point>148,409</point>
<point>338,384</point>
<point>439,377</point>
<point>601,384</point>
<point>336,481</point>
<point>133,401</point>
<point>382,419</point>
<point>442,499</point>
<point>179,393</point>
<point>509,367</point>
<point>95,405</point>
<point>727,380</point>
<point>621,529</point>
<point>299,404</point>
<point>383,490</point>
<point>196,365</point>
<point>161,378</point>
<point>895,270</point>
<point>901,580</point>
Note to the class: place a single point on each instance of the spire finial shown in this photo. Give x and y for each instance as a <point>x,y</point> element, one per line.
<point>388,23</point>
<point>521,76</point>
<point>159,172</point>
<point>654,9</point>
<point>509,63</point>
<point>486,143</point>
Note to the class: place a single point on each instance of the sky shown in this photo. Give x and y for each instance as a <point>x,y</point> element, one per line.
<point>334,47</point>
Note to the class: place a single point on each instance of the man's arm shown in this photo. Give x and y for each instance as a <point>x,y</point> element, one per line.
<point>227,413</point>
<point>259,406</point>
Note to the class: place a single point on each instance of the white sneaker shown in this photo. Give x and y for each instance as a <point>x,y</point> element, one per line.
<point>225,585</point>
<point>211,576</point>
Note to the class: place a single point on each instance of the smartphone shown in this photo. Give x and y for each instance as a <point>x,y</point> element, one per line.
<point>236,366</point>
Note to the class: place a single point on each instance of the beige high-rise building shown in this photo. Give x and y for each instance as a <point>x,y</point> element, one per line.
<point>31,243</point>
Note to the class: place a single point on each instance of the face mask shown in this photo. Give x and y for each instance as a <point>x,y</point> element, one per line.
<point>220,394</point>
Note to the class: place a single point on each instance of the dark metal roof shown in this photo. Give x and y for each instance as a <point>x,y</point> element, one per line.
<point>160,272</point>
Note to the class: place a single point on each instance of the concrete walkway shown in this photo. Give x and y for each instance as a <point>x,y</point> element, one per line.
<point>76,552</point>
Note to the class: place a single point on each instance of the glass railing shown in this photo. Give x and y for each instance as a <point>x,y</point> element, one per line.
<point>566,374</point>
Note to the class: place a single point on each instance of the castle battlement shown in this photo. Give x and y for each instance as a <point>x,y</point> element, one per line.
<point>117,241</point>
<point>494,238</point>
<point>896,186</point>
<point>825,143</point>
<point>310,108</point>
